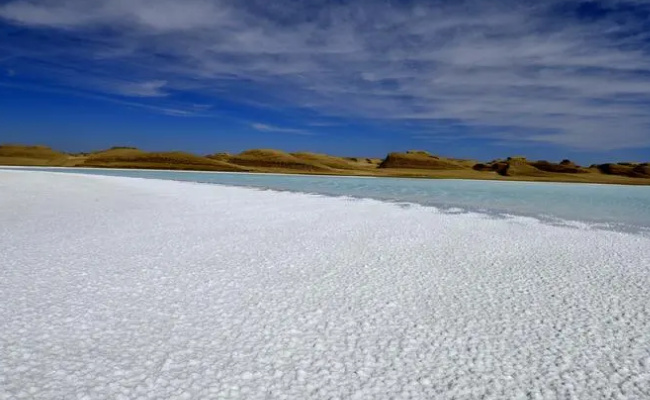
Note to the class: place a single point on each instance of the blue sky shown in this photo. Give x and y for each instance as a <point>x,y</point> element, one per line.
<point>475,79</point>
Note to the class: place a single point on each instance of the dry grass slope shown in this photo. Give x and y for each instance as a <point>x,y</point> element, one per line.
<point>334,162</point>
<point>519,166</point>
<point>412,164</point>
<point>275,159</point>
<point>31,155</point>
<point>420,160</point>
<point>134,158</point>
<point>365,161</point>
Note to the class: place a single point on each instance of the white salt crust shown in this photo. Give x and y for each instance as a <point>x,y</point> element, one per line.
<point>129,288</point>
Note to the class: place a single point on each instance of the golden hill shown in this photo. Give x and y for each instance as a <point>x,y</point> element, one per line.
<point>334,162</point>
<point>280,160</point>
<point>12,154</point>
<point>420,160</point>
<point>519,166</point>
<point>365,161</point>
<point>268,160</point>
<point>134,158</point>
<point>410,164</point>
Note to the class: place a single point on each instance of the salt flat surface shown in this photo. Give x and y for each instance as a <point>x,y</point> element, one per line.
<point>129,288</point>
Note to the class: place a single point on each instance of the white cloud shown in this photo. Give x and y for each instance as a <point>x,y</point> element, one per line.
<point>277,129</point>
<point>163,15</point>
<point>141,89</point>
<point>512,67</point>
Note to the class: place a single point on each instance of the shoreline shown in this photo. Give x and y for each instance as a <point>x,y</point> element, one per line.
<point>491,211</point>
<point>497,178</point>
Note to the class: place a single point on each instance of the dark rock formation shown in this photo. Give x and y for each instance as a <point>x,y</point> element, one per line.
<point>565,167</point>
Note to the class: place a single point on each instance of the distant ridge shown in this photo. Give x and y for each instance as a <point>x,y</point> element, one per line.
<point>413,163</point>
<point>134,158</point>
<point>267,158</point>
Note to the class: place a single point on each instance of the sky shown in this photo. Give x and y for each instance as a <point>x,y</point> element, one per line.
<point>466,78</point>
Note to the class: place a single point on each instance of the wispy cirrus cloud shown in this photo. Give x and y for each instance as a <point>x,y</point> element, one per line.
<point>141,89</point>
<point>171,110</point>
<point>571,73</point>
<point>277,129</point>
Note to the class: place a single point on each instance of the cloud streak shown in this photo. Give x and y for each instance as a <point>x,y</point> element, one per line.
<point>141,89</point>
<point>549,73</point>
<point>270,128</point>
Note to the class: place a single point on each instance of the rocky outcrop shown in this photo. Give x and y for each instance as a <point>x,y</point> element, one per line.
<point>642,171</point>
<point>418,152</point>
<point>513,166</point>
<point>564,167</point>
<point>484,167</point>
<point>623,169</point>
<point>632,170</point>
<point>518,166</point>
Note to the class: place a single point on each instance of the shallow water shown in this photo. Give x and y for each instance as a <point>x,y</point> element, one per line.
<point>604,206</point>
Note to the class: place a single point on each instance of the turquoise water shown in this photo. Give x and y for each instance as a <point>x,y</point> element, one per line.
<point>612,206</point>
